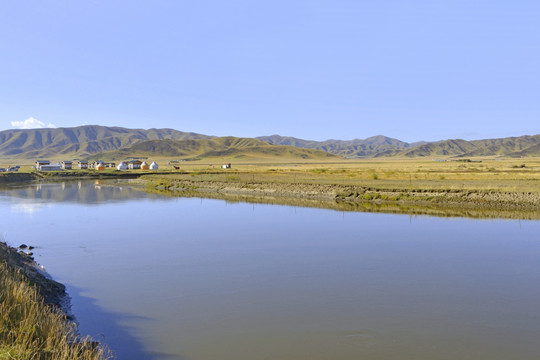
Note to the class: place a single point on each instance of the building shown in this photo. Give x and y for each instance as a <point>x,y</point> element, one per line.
<point>83,164</point>
<point>67,165</point>
<point>50,167</point>
<point>122,166</point>
<point>40,163</point>
<point>134,164</point>
<point>226,166</point>
<point>154,166</point>
<point>145,166</point>
<point>99,166</point>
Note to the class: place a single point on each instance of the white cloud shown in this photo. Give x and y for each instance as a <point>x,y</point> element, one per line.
<point>31,123</point>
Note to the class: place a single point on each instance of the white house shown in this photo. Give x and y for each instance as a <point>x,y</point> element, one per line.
<point>122,166</point>
<point>154,166</point>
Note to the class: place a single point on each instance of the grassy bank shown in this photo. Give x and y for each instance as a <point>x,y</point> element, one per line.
<point>30,326</point>
<point>479,183</point>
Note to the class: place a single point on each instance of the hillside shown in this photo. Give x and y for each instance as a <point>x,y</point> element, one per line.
<point>91,140</point>
<point>511,146</point>
<point>356,148</point>
<point>79,141</point>
<point>229,147</point>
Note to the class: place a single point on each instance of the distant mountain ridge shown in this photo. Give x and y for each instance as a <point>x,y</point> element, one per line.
<point>89,140</point>
<point>356,148</point>
<point>228,146</point>
<point>79,141</point>
<point>382,146</point>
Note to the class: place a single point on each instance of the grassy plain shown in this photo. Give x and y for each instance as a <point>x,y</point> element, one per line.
<point>479,174</point>
<point>476,174</point>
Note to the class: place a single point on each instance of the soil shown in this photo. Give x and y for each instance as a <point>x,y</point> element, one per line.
<point>518,205</point>
<point>53,292</point>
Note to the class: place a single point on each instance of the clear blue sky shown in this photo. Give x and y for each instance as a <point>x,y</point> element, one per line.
<point>413,70</point>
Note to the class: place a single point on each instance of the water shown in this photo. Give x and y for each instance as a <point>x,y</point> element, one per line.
<point>193,279</point>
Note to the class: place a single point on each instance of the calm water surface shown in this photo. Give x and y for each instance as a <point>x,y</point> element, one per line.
<point>198,279</point>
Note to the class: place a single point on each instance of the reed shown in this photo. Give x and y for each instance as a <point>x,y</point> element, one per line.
<point>33,330</point>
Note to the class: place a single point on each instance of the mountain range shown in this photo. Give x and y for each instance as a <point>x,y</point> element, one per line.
<point>117,142</point>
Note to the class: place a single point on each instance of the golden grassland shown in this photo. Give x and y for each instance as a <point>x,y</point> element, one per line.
<point>32,329</point>
<point>478,174</point>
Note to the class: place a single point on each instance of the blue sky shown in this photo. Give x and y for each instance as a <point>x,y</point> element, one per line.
<point>413,70</point>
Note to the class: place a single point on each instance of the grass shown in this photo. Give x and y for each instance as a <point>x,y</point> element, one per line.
<point>31,329</point>
<point>478,174</point>
<point>484,174</point>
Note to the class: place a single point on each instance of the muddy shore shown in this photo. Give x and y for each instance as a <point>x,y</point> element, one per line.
<point>53,292</point>
<point>488,204</point>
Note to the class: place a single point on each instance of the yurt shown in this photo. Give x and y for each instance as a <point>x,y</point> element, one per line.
<point>154,166</point>
<point>144,166</point>
<point>100,166</point>
<point>122,166</point>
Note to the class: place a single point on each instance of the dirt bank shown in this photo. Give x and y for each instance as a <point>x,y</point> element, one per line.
<point>53,292</point>
<point>348,194</point>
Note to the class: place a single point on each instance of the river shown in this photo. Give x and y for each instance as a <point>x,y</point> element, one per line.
<point>160,277</point>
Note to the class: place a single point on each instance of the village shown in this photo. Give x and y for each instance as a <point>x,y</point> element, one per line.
<point>135,164</point>
<point>45,165</point>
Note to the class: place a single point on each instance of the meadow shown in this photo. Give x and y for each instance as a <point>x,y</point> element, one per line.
<point>474,174</point>
<point>479,174</point>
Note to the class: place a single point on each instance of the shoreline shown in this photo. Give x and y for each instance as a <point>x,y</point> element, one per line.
<point>30,297</point>
<point>439,202</point>
<point>53,292</point>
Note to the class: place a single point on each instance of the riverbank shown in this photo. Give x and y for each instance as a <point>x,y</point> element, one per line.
<point>14,177</point>
<point>442,198</point>
<point>32,323</point>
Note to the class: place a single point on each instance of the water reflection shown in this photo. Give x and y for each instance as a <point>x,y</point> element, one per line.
<point>429,209</point>
<point>187,278</point>
<point>92,192</point>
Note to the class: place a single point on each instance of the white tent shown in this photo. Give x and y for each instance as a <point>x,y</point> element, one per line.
<point>122,166</point>
<point>154,166</point>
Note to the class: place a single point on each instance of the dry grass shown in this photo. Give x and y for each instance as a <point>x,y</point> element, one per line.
<point>31,329</point>
<point>485,174</point>
<point>507,175</point>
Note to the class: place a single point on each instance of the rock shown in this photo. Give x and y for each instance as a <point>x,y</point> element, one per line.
<point>23,246</point>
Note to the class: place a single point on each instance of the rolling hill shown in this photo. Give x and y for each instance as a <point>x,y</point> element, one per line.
<point>228,147</point>
<point>511,146</point>
<point>382,146</point>
<point>90,140</point>
<point>356,148</point>
<point>79,141</point>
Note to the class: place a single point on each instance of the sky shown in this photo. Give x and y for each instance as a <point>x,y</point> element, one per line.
<point>408,69</point>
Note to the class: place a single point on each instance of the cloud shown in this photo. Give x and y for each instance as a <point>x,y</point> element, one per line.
<point>31,123</point>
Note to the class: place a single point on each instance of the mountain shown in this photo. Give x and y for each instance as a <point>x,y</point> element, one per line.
<point>350,149</point>
<point>90,140</point>
<point>230,147</point>
<point>79,141</point>
<point>511,146</point>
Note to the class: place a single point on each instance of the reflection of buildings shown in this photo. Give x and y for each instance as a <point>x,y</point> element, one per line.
<point>79,191</point>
